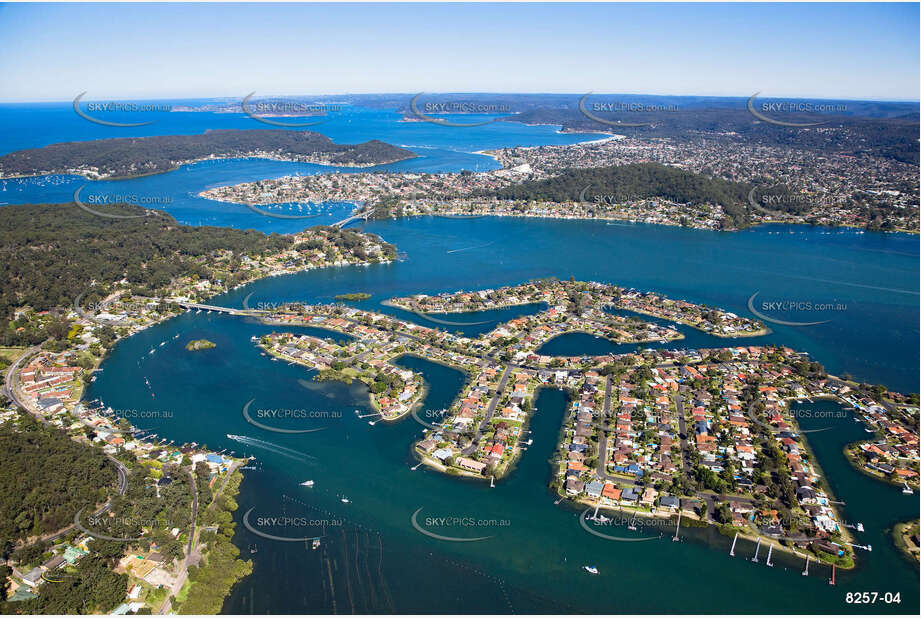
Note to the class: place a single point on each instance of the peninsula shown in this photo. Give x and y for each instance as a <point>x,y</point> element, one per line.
<point>704,184</point>
<point>129,157</point>
<point>66,311</point>
<point>712,434</point>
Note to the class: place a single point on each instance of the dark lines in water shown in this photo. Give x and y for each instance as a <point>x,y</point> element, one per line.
<point>348,556</point>
<point>329,573</point>
<point>380,572</point>
<point>367,569</point>
<point>348,578</point>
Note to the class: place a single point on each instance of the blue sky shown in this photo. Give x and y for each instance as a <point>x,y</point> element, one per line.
<point>52,52</point>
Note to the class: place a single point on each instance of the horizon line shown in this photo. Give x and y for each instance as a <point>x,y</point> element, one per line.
<point>468,92</point>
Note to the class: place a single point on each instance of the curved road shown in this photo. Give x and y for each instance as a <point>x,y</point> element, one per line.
<point>12,376</point>
<point>11,380</point>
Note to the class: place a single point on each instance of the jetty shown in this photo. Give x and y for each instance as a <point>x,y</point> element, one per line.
<point>732,550</point>
<point>757,547</point>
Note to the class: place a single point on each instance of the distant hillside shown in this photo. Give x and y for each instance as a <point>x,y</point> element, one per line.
<point>635,181</point>
<point>892,138</point>
<point>138,156</point>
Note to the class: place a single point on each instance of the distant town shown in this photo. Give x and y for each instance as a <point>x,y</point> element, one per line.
<point>855,191</point>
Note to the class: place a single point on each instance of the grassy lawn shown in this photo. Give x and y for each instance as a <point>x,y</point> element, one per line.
<point>183,594</point>
<point>154,597</point>
<point>10,354</point>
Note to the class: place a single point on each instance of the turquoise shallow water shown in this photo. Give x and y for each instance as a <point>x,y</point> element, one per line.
<point>371,558</point>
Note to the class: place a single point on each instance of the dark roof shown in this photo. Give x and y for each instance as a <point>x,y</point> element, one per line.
<point>53,562</point>
<point>669,501</point>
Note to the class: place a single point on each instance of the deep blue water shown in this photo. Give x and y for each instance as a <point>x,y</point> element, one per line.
<point>378,562</point>
<point>34,125</point>
<point>375,561</point>
<point>874,276</point>
<point>439,149</point>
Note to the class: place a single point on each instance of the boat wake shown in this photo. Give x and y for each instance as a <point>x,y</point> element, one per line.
<point>469,248</point>
<point>271,446</point>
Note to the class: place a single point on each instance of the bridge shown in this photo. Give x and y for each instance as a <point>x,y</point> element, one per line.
<point>363,215</point>
<point>227,310</point>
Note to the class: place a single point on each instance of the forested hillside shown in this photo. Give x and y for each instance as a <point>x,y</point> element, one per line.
<point>51,253</point>
<point>45,478</point>
<point>137,156</point>
<point>635,181</point>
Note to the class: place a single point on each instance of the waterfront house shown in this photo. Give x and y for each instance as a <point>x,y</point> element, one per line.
<point>574,486</point>
<point>670,502</point>
<point>471,465</point>
<point>610,494</point>
<point>649,497</point>
<point>594,489</point>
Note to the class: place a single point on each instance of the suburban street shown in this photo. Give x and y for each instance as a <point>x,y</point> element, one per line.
<point>490,409</point>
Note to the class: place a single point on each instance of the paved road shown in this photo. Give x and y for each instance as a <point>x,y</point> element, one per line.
<point>11,379</point>
<point>183,570</point>
<point>682,434</point>
<point>365,215</point>
<point>122,487</point>
<point>191,472</point>
<point>227,310</point>
<point>490,410</point>
<point>230,471</point>
<point>10,389</point>
<point>603,434</point>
